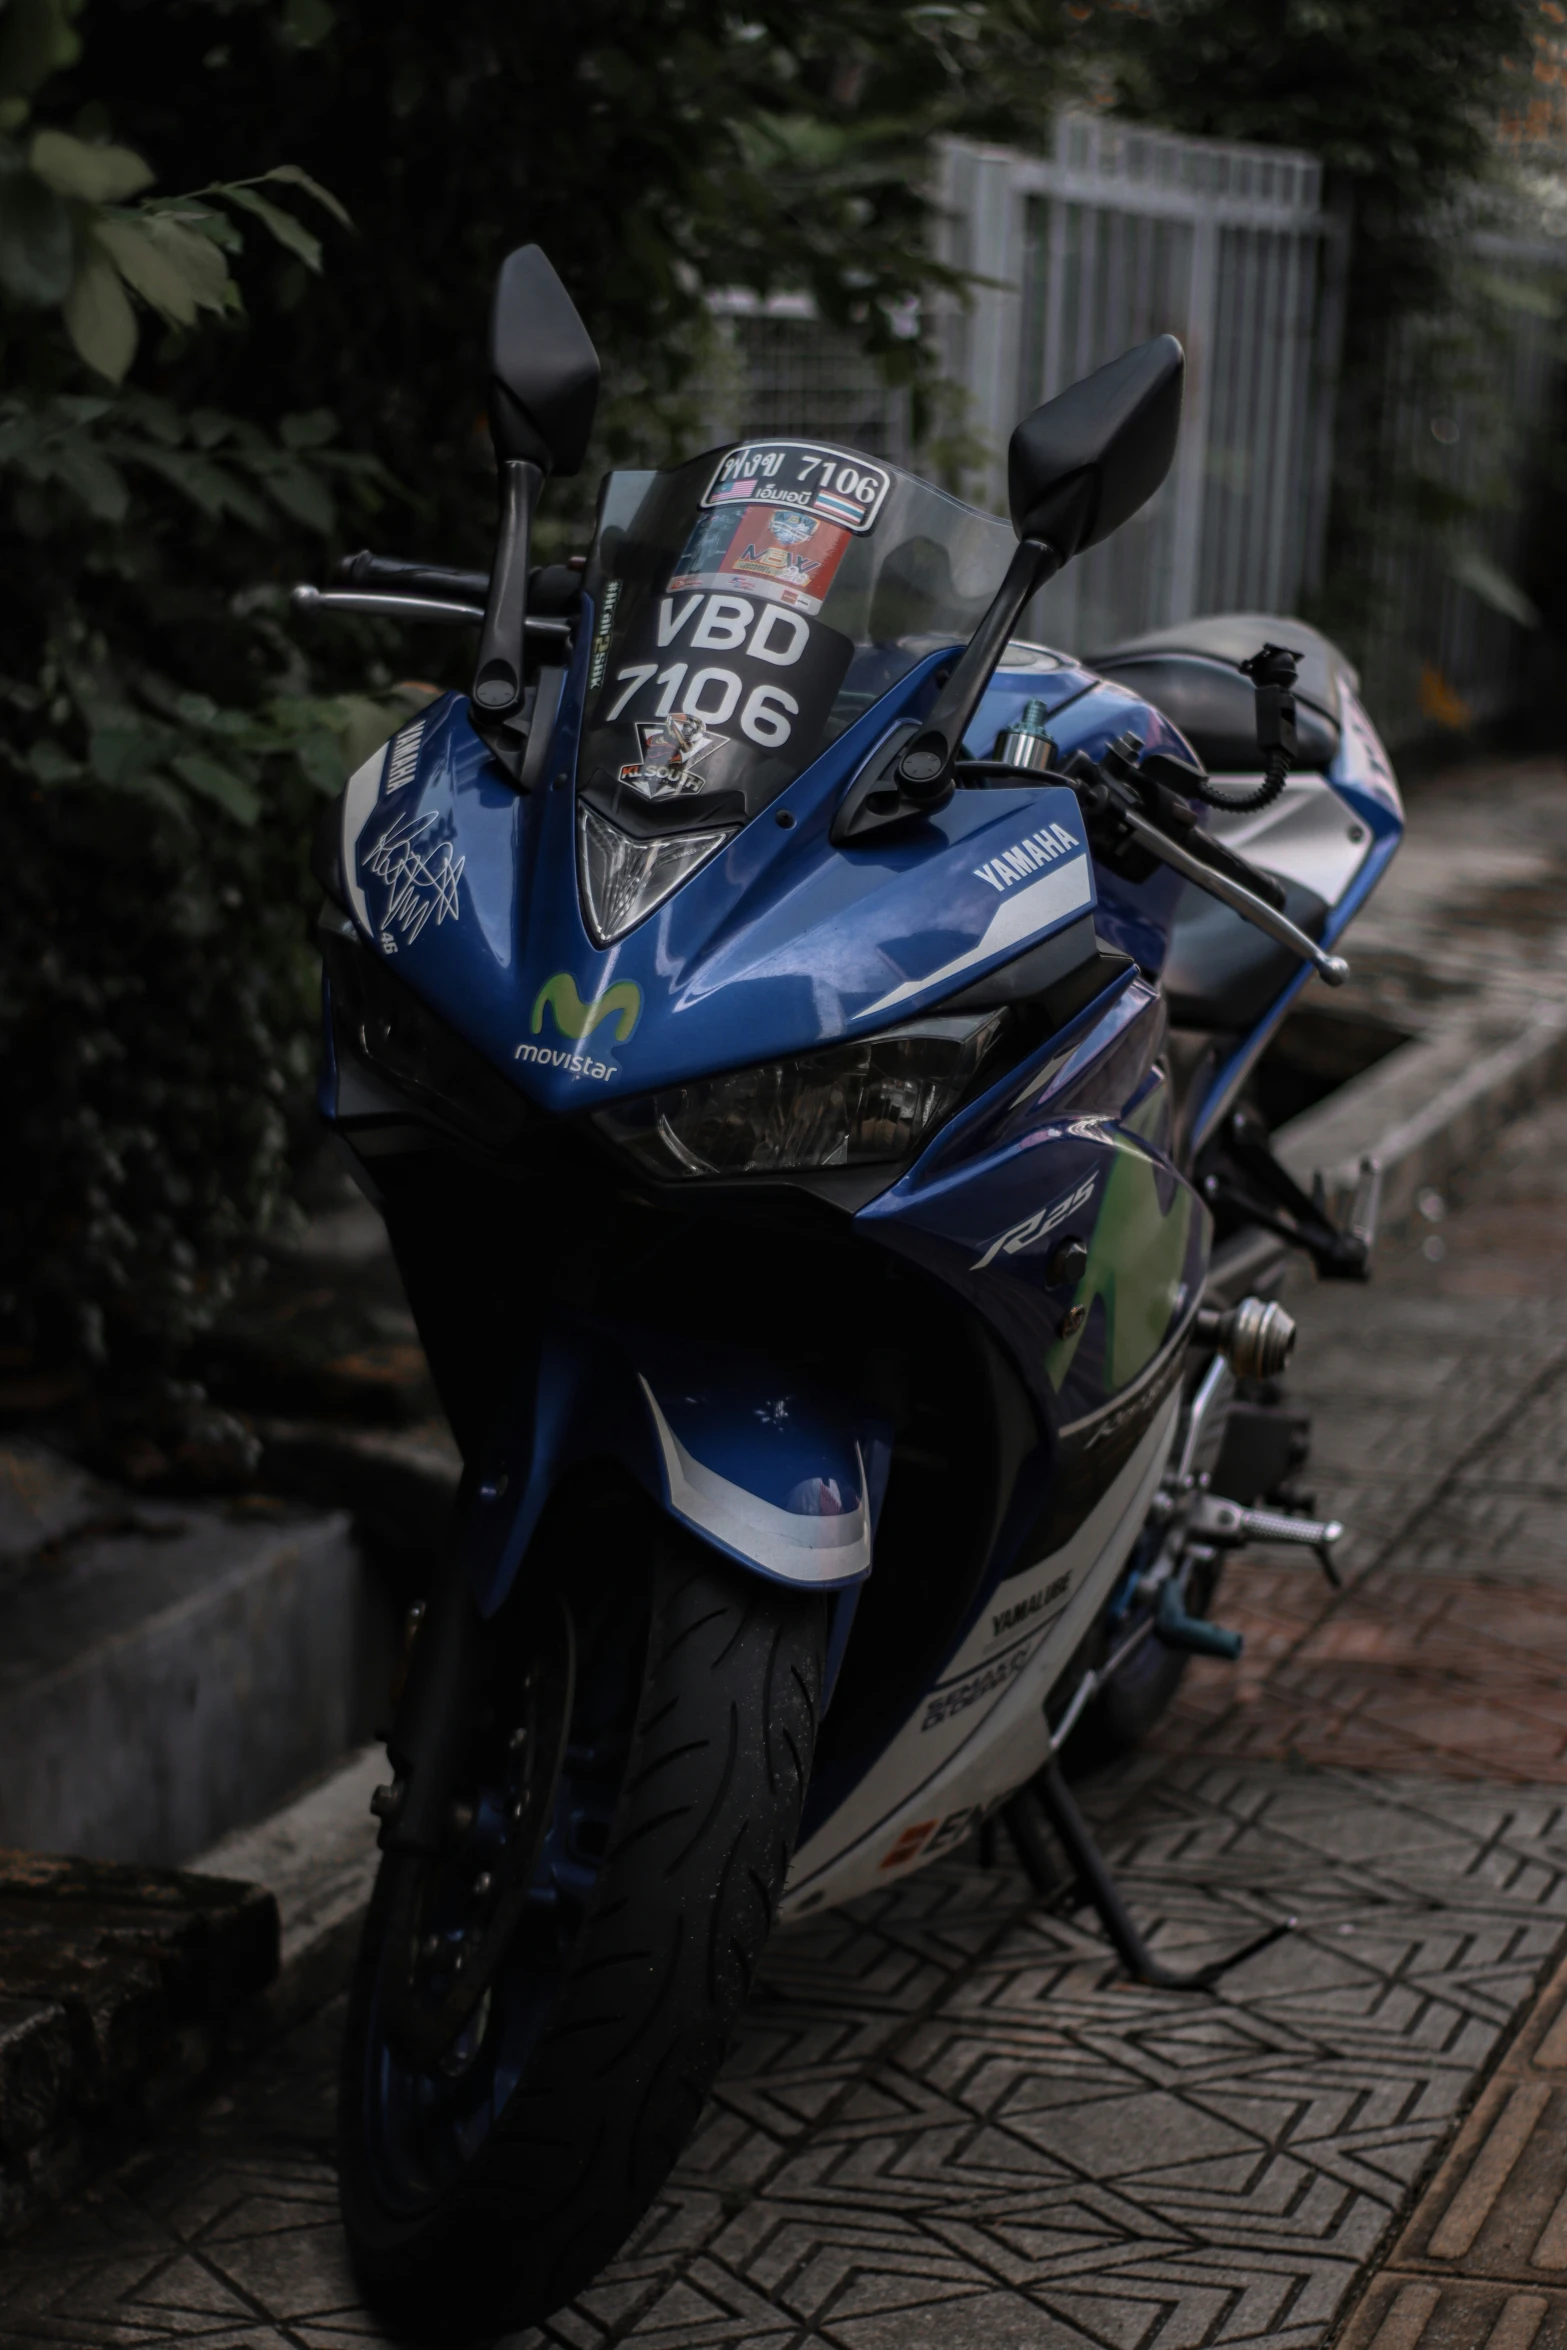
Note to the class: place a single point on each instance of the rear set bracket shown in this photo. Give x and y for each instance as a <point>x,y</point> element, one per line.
<point>1244,1177</point>
<point>1196,1525</point>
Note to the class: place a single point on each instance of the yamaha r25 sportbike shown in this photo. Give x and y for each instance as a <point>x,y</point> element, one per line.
<point>797,1032</point>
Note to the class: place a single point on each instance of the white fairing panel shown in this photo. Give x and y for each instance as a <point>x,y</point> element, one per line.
<point>825,1551</point>
<point>980,1732</point>
<point>1309,834</point>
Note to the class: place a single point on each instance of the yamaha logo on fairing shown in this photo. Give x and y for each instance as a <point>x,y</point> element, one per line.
<point>1023,1611</point>
<point>1026,856</point>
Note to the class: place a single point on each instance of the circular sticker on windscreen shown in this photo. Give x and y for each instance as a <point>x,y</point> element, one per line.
<point>834,484</point>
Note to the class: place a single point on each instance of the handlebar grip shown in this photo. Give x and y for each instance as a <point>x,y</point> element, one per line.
<point>367,570</point>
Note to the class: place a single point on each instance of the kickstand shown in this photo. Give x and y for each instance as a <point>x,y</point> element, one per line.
<point>1026,1829</point>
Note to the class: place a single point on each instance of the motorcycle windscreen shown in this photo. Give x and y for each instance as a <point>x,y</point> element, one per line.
<point>752,604</point>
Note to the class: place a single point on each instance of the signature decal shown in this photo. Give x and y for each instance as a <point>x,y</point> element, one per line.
<point>421,877</point>
<point>621,1003</point>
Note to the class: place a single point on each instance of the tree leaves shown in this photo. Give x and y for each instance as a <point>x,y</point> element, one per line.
<point>216,782</point>
<point>37,256</point>
<point>98,316</point>
<point>36,41</point>
<point>94,175</point>
<point>172,268</point>
<point>157,999</point>
<point>290,233</point>
<point>71,237</point>
<point>1474,569</point>
<point>293,177</point>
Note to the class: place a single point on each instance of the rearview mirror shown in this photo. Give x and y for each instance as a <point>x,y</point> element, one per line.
<point>1077,469</point>
<point>544,387</point>
<point>544,371</point>
<point>1082,464</point>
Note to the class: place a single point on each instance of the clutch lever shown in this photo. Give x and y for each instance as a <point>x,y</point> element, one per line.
<point>1332,968</point>
<point>1110,798</point>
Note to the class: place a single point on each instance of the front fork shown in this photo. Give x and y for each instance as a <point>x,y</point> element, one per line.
<point>433,1722</point>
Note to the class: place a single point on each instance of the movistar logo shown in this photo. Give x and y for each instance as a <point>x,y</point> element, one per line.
<point>621,1003</point>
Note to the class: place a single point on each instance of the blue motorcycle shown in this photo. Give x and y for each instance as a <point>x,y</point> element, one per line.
<point>797,1031</point>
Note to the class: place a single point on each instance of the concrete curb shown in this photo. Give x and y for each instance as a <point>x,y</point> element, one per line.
<point>318,1858</point>
<point>1424,1110</point>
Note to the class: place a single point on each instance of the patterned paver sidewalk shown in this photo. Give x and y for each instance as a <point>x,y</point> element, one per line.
<point>949,2120</point>
<point>1484,2260</point>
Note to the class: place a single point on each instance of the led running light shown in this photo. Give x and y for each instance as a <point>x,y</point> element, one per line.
<point>624,879</point>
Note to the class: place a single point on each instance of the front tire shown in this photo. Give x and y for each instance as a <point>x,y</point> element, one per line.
<point>484,2188</point>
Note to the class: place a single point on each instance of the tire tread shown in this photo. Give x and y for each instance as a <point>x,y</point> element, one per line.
<point>666,1955</point>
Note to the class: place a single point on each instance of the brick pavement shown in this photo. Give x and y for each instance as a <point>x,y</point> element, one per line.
<point>948,2119</point>
<point>1484,2258</point>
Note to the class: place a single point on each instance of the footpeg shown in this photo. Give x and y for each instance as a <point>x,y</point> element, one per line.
<point>1218,1520</point>
<point>1366,1206</point>
<point>1242,1176</point>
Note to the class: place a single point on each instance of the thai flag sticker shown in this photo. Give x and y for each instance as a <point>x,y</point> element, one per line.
<point>839,485</point>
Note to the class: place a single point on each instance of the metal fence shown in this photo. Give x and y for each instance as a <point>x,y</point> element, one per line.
<point>774,367</point>
<point>1117,235</point>
<point>1120,233</point>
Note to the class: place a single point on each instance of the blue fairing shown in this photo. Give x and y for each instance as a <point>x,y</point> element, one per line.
<point>782,943</point>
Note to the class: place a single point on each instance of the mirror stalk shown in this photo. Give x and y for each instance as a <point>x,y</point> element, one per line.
<point>924,770</point>
<point>497,683</point>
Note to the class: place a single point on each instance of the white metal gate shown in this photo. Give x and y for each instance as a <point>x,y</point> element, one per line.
<point>1121,234</point>
<point>1118,234</point>
<point>776,367</point>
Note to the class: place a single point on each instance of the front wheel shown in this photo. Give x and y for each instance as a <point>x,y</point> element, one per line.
<point>530,2039</point>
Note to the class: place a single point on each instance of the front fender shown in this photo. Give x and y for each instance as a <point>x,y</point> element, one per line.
<point>784,1480</point>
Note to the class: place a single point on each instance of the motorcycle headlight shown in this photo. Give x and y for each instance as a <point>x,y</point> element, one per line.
<point>853,1105</point>
<point>385,1024</point>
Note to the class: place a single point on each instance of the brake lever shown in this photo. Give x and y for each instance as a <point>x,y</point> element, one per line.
<point>1109,798</point>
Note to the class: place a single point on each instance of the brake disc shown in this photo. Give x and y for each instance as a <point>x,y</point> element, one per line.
<point>454,1916</point>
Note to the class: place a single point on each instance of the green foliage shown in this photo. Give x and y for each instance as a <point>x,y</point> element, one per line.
<point>655,148</point>
<point>169,453</point>
<point>1399,98</point>
<point>165,748</point>
<point>160,761</point>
